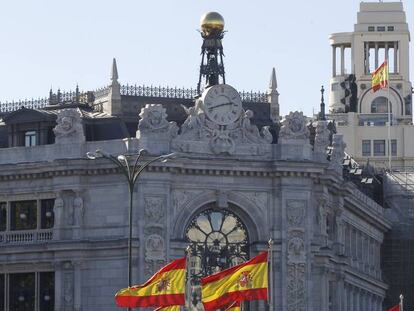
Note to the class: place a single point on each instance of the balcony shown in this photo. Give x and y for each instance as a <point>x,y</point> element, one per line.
<point>26,237</point>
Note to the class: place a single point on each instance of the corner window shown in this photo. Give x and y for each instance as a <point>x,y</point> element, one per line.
<point>30,138</point>
<point>22,291</point>
<point>393,147</point>
<point>23,215</point>
<point>390,28</point>
<point>379,147</point>
<point>371,28</point>
<point>33,291</point>
<point>380,105</point>
<point>366,148</point>
<point>3,217</point>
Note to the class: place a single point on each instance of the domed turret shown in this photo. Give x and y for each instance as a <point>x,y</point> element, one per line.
<point>211,23</point>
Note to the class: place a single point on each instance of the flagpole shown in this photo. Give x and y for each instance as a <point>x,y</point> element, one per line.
<point>270,281</point>
<point>401,302</point>
<point>389,115</point>
<point>188,285</point>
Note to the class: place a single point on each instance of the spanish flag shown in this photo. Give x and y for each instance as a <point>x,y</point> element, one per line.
<point>165,288</point>
<point>247,281</point>
<point>380,77</point>
<point>395,308</point>
<point>171,308</point>
<point>235,306</point>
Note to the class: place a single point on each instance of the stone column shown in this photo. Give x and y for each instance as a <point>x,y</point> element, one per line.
<point>58,214</point>
<point>396,69</point>
<point>376,54</point>
<point>366,57</point>
<point>58,286</point>
<point>78,285</point>
<point>342,60</point>
<point>333,61</point>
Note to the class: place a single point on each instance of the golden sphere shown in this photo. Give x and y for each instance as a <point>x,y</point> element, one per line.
<point>211,23</point>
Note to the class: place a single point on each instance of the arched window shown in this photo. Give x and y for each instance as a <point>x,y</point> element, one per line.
<point>218,240</point>
<point>380,105</point>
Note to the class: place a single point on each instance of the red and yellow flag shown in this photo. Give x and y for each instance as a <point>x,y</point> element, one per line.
<point>170,308</point>
<point>395,308</point>
<point>247,281</point>
<point>235,306</point>
<point>165,288</point>
<point>380,77</point>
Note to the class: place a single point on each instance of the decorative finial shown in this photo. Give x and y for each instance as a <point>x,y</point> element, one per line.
<point>322,116</point>
<point>273,81</point>
<point>114,72</point>
<point>77,97</point>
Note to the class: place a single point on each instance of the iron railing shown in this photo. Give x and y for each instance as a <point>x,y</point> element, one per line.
<point>126,90</point>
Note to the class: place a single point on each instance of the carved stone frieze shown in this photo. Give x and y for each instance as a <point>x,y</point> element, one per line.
<point>296,287</point>
<point>68,291</point>
<point>69,128</point>
<point>154,209</point>
<point>295,212</point>
<point>155,255</point>
<point>296,255</point>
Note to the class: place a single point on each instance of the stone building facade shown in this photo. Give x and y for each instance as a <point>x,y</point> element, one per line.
<point>240,177</point>
<point>64,217</point>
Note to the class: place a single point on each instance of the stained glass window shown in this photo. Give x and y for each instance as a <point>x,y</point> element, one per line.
<point>218,240</point>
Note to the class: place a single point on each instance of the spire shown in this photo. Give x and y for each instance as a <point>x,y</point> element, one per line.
<point>114,72</point>
<point>273,81</point>
<point>322,110</point>
<point>273,97</point>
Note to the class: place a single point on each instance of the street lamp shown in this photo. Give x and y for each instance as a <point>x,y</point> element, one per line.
<point>131,173</point>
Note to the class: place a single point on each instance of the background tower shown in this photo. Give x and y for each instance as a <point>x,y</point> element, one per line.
<point>212,66</point>
<point>381,33</point>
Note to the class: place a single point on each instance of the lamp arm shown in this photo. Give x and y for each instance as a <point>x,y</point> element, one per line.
<point>144,166</point>
<point>125,170</point>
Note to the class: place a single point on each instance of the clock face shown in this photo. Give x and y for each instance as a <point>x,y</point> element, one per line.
<point>222,104</point>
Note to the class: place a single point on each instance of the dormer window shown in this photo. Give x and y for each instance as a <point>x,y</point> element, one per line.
<point>30,138</point>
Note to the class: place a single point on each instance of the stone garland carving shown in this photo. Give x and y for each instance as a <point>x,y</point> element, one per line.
<point>294,127</point>
<point>201,135</point>
<point>296,255</point>
<point>154,121</point>
<point>154,243</point>
<point>68,286</point>
<point>69,126</point>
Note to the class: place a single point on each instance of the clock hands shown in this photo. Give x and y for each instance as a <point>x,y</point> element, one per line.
<point>219,105</point>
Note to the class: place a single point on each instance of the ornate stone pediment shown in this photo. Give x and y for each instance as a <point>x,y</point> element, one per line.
<point>294,127</point>
<point>201,135</point>
<point>69,126</point>
<point>154,120</point>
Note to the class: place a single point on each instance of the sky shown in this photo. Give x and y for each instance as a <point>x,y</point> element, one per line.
<point>61,43</point>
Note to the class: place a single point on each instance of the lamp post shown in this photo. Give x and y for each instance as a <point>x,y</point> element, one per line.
<point>131,172</point>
